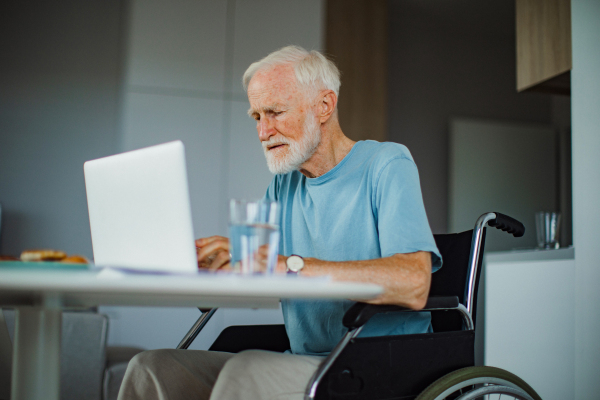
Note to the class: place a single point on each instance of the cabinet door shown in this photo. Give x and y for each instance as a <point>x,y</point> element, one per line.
<point>543,41</point>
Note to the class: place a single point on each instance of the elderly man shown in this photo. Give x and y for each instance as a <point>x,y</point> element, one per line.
<point>350,210</point>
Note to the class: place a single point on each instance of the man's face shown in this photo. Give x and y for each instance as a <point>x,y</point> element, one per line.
<point>285,119</point>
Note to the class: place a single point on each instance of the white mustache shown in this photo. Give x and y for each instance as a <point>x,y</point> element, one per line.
<point>275,142</point>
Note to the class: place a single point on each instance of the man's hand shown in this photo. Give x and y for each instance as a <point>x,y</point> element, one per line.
<point>213,253</point>
<point>263,253</point>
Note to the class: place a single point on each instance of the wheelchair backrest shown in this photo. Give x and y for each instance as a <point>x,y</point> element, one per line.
<point>451,279</point>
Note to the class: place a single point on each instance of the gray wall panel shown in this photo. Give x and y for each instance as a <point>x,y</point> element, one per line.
<point>177,44</point>
<point>59,73</point>
<point>262,26</point>
<point>249,175</point>
<point>153,119</point>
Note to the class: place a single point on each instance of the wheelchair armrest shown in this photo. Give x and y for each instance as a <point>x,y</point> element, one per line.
<point>360,313</point>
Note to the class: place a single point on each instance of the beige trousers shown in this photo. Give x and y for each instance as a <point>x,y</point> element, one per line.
<point>202,375</point>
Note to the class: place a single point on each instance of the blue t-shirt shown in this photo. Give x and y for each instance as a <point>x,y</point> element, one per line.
<point>368,206</point>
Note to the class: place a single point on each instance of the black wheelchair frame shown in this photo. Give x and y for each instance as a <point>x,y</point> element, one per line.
<point>403,366</point>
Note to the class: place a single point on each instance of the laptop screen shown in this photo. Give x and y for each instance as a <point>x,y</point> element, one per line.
<point>139,209</point>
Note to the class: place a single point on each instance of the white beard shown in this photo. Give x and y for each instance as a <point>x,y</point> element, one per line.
<point>298,151</point>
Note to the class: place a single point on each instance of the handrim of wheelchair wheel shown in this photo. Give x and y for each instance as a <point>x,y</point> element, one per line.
<point>474,382</point>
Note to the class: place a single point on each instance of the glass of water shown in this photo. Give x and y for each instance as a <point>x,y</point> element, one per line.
<point>254,235</point>
<point>548,229</point>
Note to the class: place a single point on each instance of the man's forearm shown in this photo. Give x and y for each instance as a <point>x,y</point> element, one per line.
<point>405,277</point>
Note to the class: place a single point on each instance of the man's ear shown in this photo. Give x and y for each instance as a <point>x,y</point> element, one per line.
<point>326,104</point>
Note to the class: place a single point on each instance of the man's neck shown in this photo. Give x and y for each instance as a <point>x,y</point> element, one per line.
<point>333,148</point>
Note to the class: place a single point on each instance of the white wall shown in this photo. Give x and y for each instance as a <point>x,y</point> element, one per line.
<point>585,97</point>
<point>184,64</point>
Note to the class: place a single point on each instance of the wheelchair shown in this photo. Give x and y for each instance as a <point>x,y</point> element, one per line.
<point>428,366</point>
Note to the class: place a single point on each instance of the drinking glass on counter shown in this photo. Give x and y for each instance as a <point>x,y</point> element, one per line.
<point>254,235</point>
<point>547,228</point>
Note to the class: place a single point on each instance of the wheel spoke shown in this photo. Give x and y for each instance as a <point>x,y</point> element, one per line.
<point>479,383</point>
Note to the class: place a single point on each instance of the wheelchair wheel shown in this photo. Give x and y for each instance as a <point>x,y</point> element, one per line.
<point>479,383</point>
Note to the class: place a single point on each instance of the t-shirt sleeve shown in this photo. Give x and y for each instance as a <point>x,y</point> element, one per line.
<point>401,218</point>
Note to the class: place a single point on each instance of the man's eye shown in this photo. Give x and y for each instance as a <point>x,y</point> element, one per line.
<point>277,113</point>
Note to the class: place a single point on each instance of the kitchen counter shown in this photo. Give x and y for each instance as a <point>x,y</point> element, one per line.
<point>566,253</point>
<point>529,318</point>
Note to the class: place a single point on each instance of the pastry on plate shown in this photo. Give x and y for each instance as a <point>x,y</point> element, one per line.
<point>75,259</point>
<point>43,255</point>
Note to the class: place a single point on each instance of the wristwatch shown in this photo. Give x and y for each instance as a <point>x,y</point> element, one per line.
<point>294,263</point>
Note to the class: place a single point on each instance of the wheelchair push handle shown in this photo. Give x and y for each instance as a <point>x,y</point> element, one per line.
<point>507,224</point>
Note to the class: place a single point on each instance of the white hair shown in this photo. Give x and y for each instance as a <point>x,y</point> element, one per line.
<point>313,70</point>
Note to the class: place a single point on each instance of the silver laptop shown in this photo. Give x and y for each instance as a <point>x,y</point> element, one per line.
<point>139,207</point>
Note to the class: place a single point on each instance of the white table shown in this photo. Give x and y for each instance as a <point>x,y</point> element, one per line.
<point>40,295</point>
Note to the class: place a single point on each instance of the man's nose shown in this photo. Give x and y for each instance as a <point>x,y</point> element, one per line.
<point>265,129</point>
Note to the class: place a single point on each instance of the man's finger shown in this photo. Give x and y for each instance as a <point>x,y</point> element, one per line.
<point>212,248</point>
<point>220,260</point>
<point>204,241</point>
<point>263,250</point>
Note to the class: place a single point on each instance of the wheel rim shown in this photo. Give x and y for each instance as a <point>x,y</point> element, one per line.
<point>517,394</point>
<point>480,381</point>
<point>489,383</point>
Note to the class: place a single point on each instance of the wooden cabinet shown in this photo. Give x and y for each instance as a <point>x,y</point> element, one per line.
<point>543,32</point>
<point>356,38</point>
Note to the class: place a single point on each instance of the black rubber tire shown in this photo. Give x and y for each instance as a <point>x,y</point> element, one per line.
<point>434,390</point>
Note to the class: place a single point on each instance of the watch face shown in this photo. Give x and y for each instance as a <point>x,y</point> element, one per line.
<point>295,263</point>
